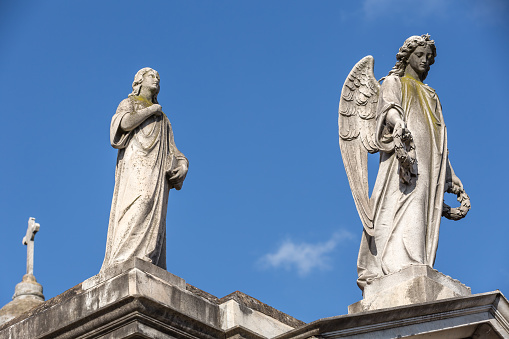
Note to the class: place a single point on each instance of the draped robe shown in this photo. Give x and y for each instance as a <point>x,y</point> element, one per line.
<point>406,217</point>
<point>137,225</point>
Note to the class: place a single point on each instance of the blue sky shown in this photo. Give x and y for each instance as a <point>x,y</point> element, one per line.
<point>252,90</point>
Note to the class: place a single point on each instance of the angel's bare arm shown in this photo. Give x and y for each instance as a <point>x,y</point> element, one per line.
<point>393,118</point>
<point>452,182</point>
<point>134,119</point>
<point>454,185</point>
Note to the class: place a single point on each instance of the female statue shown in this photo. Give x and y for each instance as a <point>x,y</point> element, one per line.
<point>402,119</point>
<point>148,166</point>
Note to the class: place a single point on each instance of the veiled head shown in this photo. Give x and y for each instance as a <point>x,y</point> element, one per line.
<point>409,46</point>
<point>138,82</point>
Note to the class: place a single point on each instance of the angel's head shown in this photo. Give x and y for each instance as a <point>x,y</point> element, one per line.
<point>416,44</point>
<point>148,78</point>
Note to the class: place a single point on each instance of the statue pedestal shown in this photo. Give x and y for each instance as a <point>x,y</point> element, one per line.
<point>136,299</point>
<point>412,285</point>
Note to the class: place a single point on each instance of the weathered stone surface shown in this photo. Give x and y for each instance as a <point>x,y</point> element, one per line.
<point>28,288</point>
<point>128,302</point>
<point>402,120</point>
<point>412,285</point>
<point>128,265</point>
<point>29,240</point>
<point>483,315</point>
<point>148,166</point>
<point>245,300</point>
<point>136,299</point>
<point>239,309</point>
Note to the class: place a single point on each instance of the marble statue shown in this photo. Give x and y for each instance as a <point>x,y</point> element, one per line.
<point>148,166</point>
<point>402,120</point>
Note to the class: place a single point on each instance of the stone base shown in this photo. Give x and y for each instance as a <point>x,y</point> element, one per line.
<point>28,288</point>
<point>27,295</point>
<point>139,300</point>
<point>412,285</point>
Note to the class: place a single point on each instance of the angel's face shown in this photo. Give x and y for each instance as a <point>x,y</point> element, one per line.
<point>420,59</point>
<point>151,80</point>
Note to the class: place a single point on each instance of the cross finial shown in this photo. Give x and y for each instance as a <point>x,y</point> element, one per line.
<point>28,240</point>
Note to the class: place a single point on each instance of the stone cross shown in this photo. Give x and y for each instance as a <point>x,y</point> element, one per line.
<point>28,240</point>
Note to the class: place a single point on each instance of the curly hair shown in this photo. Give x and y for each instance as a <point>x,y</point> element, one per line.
<point>408,48</point>
<point>138,79</point>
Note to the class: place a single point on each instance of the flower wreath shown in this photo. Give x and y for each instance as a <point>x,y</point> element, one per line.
<point>457,213</point>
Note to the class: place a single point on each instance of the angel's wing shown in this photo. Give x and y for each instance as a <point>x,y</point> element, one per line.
<point>357,124</point>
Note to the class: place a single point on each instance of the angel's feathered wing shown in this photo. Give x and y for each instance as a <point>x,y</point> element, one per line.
<point>357,128</point>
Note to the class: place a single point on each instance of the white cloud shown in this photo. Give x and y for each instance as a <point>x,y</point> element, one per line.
<point>304,257</point>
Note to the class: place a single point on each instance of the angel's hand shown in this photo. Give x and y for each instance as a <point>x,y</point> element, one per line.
<point>403,144</point>
<point>156,109</point>
<point>178,174</point>
<point>401,131</point>
<point>454,186</point>
<point>404,149</point>
<point>457,185</point>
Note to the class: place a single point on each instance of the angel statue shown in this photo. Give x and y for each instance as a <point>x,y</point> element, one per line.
<point>148,166</point>
<point>402,119</point>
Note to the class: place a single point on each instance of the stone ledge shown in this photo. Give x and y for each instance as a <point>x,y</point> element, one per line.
<point>240,332</point>
<point>139,317</point>
<point>203,294</point>
<point>255,304</point>
<point>460,317</point>
<point>234,314</point>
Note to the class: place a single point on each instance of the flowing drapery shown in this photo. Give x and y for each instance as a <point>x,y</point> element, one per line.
<point>137,225</point>
<point>406,217</point>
